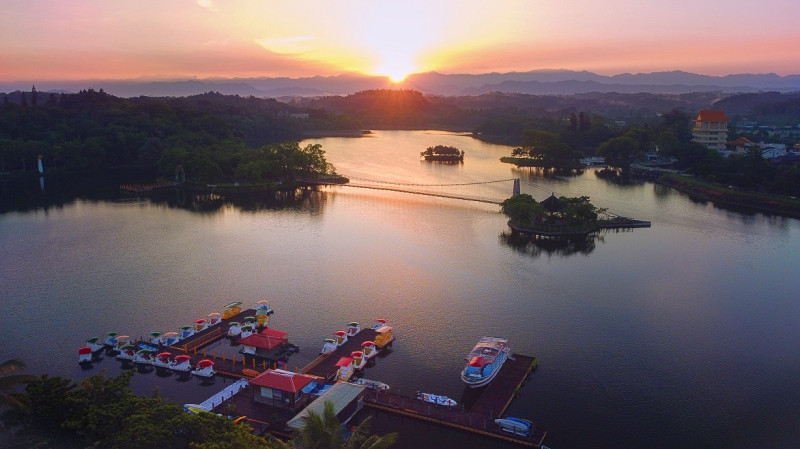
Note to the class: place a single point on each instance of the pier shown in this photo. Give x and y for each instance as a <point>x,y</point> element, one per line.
<point>491,403</point>
<point>479,408</point>
<point>228,362</point>
<point>325,365</point>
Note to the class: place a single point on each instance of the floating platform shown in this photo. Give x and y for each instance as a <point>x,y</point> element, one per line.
<point>492,403</point>
<point>325,365</point>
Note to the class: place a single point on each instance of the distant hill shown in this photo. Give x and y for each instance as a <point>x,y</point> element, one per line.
<point>538,82</point>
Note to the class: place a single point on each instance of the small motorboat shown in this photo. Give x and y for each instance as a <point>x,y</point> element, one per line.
<point>126,352</point>
<point>374,384</point>
<point>436,399</point>
<point>340,337</point>
<point>231,310</point>
<point>200,325</point>
<point>170,338</point>
<point>329,345</point>
<point>379,322</point>
<point>205,368</point>
<point>157,338</point>
<point>181,364</point>
<point>517,426</point>
<point>84,354</point>
<point>214,318</point>
<point>353,328</point>
<point>96,344</point>
<point>234,329</point>
<point>186,332</point>
<point>163,360</point>
<point>359,362</point>
<point>345,371</point>
<point>369,349</point>
<point>485,361</point>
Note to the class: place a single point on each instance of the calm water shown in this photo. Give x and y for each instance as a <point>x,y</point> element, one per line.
<point>686,334</point>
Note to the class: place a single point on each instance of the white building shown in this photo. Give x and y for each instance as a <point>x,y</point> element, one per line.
<point>711,129</point>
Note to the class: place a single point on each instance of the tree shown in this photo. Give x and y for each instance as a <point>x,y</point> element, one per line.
<point>11,379</point>
<point>620,152</point>
<point>324,432</point>
<point>522,209</point>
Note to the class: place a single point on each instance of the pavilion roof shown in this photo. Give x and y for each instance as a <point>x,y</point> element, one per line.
<point>282,380</point>
<point>712,116</point>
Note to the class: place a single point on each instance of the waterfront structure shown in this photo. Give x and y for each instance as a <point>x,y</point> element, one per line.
<point>347,398</point>
<point>711,129</point>
<point>280,388</point>
<point>271,344</point>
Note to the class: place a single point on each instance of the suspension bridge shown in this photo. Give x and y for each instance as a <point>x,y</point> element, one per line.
<point>490,192</point>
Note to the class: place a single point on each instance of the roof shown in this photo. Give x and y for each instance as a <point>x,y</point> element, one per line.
<point>488,348</point>
<point>712,116</point>
<point>274,333</point>
<point>344,361</point>
<point>742,141</point>
<point>278,379</point>
<point>262,341</point>
<point>341,394</point>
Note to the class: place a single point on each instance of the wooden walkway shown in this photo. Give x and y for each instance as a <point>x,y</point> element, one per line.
<point>491,403</point>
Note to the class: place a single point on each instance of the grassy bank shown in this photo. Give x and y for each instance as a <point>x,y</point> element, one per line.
<point>735,199</point>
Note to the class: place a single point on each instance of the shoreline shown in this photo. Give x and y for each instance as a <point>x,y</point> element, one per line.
<point>725,197</point>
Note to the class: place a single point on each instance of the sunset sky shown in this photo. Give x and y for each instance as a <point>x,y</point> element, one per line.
<point>157,39</point>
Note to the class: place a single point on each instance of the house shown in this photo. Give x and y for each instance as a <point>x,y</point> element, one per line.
<point>347,399</point>
<point>271,345</point>
<point>711,129</point>
<point>280,388</point>
<point>739,146</point>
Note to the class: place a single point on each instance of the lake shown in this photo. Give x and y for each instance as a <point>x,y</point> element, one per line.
<point>685,334</point>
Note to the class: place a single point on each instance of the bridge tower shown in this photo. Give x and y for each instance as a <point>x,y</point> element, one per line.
<point>516,187</point>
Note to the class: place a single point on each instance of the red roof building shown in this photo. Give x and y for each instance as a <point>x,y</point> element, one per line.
<point>711,129</point>
<point>279,388</point>
<point>272,345</point>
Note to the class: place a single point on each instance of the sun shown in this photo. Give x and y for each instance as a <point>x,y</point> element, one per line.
<point>397,72</point>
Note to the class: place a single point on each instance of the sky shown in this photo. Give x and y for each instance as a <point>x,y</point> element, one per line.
<point>168,39</point>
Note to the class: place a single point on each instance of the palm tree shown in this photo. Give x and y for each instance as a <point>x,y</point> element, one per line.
<point>10,382</point>
<point>324,432</point>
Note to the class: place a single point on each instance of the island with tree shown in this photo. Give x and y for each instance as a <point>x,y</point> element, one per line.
<point>442,153</point>
<point>561,216</point>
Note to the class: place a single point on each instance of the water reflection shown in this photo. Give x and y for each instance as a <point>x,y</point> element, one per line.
<point>212,201</point>
<point>22,195</point>
<point>536,246</point>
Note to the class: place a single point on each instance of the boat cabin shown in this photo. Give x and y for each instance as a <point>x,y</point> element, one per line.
<point>280,388</point>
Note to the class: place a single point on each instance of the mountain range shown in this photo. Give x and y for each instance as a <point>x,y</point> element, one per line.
<point>538,82</point>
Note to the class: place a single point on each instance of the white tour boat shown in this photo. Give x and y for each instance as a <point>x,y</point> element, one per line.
<point>485,361</point>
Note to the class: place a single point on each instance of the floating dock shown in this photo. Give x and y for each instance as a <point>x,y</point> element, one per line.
<point>491,404</point>
<point>228,364</point>
<point>325,365</point>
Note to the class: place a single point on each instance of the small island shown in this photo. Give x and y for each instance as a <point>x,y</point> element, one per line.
<point>442,153</point>
<point>561,217</point>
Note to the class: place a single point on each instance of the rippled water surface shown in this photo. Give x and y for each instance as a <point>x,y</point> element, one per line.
<point>686,334</point>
